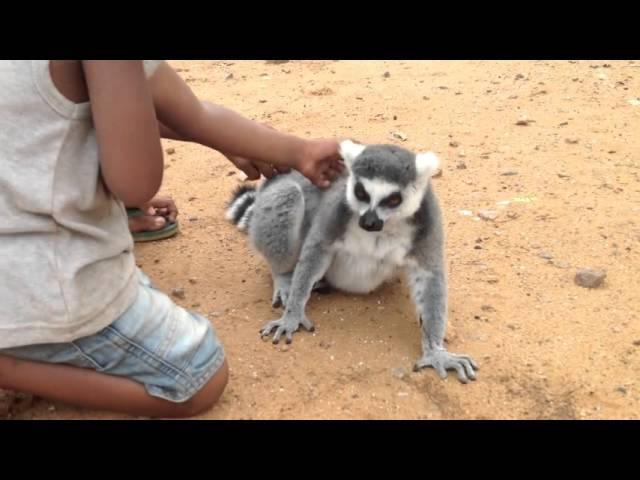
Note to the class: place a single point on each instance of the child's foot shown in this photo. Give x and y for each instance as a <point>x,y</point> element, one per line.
<point>146,228</point>
<point>156,222</point>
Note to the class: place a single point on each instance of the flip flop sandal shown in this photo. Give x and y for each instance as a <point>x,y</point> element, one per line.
<point>169,230</point>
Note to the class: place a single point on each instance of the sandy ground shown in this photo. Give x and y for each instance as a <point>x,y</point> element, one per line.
<point>552,146</point>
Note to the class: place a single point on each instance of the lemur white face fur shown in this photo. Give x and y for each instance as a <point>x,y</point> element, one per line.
<point>385,188</point>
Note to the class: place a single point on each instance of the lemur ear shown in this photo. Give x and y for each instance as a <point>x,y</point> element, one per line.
<point>426,164</point>
<point>349,151</point>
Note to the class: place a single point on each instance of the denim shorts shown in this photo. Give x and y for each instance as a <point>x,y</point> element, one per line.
<point>169,350</point>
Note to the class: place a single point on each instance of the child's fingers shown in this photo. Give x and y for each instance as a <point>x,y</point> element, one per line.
<point>332,173</point>
<point>248,168</point>
<point>265,169</point>
<point>321,180</point>
<point>282,169</point>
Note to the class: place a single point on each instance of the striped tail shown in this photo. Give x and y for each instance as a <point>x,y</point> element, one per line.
<point>240,206</point>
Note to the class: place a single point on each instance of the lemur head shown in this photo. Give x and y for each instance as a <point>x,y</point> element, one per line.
<point>386,182</point>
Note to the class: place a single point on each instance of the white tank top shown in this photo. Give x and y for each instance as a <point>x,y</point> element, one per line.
<point>66,254</point>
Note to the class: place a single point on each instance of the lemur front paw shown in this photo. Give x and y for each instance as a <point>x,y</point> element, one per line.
<point>288,324</point>
<point>441,361</point>
<point>280,296</point>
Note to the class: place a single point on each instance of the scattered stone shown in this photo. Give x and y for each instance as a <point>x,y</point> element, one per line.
<point>461,166</point>
<point>519,76</point>
<point>488,214</point>
<point>561,264</point>
<point>386,75</point>
<point>399,135</point>
<point>170,151</point>
<point>539,92</point>
<point>178,293</point>
<point>512,215</point>
<point>399,373</point>
<point>276,62</point>
<point>229,77</point>
<point>193,219</point>
<point>545,255</point>
<point>191,199</point>
<point>403,394</point>
<point>437,173</point>
<point>321,92</point>
<point>285,347</point>
<point>508,173</point>
<point>571,141</point>
<point>621,390</point>
<point>563,175</point>
<point>636,343</point>
<point>524,122</point>
<point>590,278</point>
<point>454,144</point>
<point>262,100</point>
<point>487,308</point>
<point>229,174</point>
<point>193,280</point>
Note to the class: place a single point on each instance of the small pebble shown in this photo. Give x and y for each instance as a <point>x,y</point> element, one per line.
<point>488,214</point>
<point>590,278</point>
<point>178,293</point>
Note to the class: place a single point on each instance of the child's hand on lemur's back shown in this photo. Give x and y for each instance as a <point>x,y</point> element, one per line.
<point>320,161</point>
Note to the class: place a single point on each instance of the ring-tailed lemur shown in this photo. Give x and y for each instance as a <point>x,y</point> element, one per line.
<point>381,215</point>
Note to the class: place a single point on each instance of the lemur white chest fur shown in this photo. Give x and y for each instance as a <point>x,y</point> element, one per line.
<point>364,260</point>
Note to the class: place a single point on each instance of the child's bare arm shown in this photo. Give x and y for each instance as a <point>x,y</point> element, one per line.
<point>252,168</point>
<point>224,130</point>
<point>126,128</point>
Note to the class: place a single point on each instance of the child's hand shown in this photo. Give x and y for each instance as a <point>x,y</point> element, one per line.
<point>254,168</point>
<point>320,161</point>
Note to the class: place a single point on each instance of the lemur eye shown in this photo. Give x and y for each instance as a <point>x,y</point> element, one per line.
<point>392,200</point>
<point>361,193</point>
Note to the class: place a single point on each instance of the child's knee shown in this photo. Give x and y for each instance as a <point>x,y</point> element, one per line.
<point>208,396</point>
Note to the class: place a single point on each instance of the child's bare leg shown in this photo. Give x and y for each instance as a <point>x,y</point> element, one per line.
<point>155,360</point>
<point>90,389</point>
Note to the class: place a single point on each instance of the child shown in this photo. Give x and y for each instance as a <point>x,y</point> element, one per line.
<point>79,323</point>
